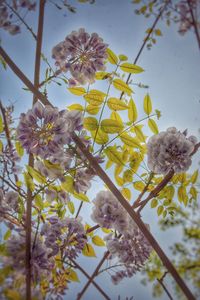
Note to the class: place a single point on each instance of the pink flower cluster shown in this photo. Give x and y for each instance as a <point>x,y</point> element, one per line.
<point>82,54</point>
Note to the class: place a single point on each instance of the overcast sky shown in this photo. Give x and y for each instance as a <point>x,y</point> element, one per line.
<point>172,71</point>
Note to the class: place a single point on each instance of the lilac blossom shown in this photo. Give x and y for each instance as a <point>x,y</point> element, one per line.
<point>170,150</point>
<point>82,180</point>
<point>131,251</point>
<point>9,202</point>
<point>67,236</point>
<point>9,159</point>
<point>108,212</point>
<point>44,130</point>
<point>7,21</point>
<point>40,262</point>
<point>82,54</point>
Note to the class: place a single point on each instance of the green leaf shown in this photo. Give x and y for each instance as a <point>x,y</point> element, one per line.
<point>101,137</point>
<point>147,104</point>
<point>153,126</point>
<point>81,196</point>
<point>116,104</point>
<point>78,91</point>
<point>97,240</point>
<point>71,207</point>
<point>123,57</point>
<point>120,85</point>
<point>90,123</point>
<point>154,203</point>
<point>193,192</point>
<point>131,68</point>
<point>132,111</point>
<point>3,63</point>
<point>182,194</point>
<point>68,184</point>
<point>19,148</point>
<point>111,126</point>
<point>29,181</point>
<point>7,235</point>
<point>88,250</point>
<point>160,210</point>
<point>194,177</point>
<point>126,193</point>
<point>1,146</point>
<point>112,57</point>
<point>36,175</point>
<point>113,155</point>
<point>39,202</point>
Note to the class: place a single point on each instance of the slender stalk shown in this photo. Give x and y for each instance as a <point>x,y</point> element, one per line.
<point>31,158</point>
<point>194,23</point>
<point>109,183</point>
<point>164,286</point>
<point>79,296</point>
<point>146,39</point>
<point>93,282</point>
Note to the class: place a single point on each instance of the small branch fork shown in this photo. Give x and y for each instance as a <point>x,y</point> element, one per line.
<point>164,286</point>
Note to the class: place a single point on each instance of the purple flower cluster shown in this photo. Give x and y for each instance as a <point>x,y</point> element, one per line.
<point>170,150</point>
<point>44,130</point>
<point>8,203</point>
<point>52,195</point>
<point>9,159</point>
<point>67,236</point>
<point>82,54</point>
<point>40,262</point>
<point>7,18</point>
<point>131,250</point>
<point>82,180</point>
<point>186,22</point>
<point>108,212</point>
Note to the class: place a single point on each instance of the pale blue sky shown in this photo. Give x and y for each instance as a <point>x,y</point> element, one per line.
<point>172,71</point>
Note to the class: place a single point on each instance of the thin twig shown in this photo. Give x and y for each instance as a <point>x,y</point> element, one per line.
<point>164,286</point>
<point>194,23</point>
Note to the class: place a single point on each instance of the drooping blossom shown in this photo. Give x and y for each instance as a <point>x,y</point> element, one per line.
<point>44,130</point>
<point>82,180</point>
<point>8,20</point>
<point>66,235</point>
<point>108,212</point>
<point>9,203</point>
<point>131,251</point>
<point>9,160</point>
<point>170,150</point>
<point>41,264</point>
<point>82,54</point>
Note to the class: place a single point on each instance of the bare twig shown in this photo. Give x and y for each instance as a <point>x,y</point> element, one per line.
<point>194,23</point>
<point>164,286</point>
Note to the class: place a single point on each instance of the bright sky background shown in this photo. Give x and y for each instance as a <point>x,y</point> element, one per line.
<point>172,71</point>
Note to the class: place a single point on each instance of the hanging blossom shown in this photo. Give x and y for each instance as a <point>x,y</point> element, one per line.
<point>186,21</point>
<point>9,203</point>
<point>170,150</point>
<point>108,212</point>
<point>52,195</point>
<point>131,251</point>
<point>66,235</point>
<point>82,55</point>
<point>44,130</point>
<point>41,264</point>
<point>82,179</point>
<point>9,159</point>
<point>8,20</point>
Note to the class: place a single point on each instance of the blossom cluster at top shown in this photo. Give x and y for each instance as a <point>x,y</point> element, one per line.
<point>82,54</point>
<point>131,247</point>
<point>170,150</point>
<point>44,130</point>
<point>7,17</point>
<point>186,22</point>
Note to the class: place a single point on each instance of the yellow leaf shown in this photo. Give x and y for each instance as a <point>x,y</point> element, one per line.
<point>72,275</point>
<point>106,230</point>
<point>138,131</point>
<point>119,84</point>
<point>123,57</point>
<point>78,91</point>
<point>36,175</point>
<point>115,116</point>
<point>90,123</point>
<point>147,104</point>
<point>71,207</point>
<point>1,146</point>
<point>131,68</point>
<point>12,295</point>
<point>158,32</point>
<point>128,176</point>
<point>81,196</point>
<point>67,184</point>
<point>111,126</point>
<point>94,97</point>
<point>130,141</point>
<point>102,75</point>
<point>112,57</point>
<point>113,155</point>
<point>116,104</point>
<point>76,107</point>
<point>101,137</point>
<point>194,177</point>
<point>182,193</point>
<point>1,125</point>
<point>109,164</point>
<point>132,111</point>
<point>160,210</point>
<point>154,203</point>
<point>97,240</point>
<point>126,193</point>
<point>29,181</point>
<point>193,192</point>
<point>139,185</point>
<point>88,250</point>
<point>92,110</point>
<point>153,126</point>
<point>19,148</point>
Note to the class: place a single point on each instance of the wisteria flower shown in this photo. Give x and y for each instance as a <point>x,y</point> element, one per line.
<point>170,150</point>
<point>82,54</point>
<point>44,130</point>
